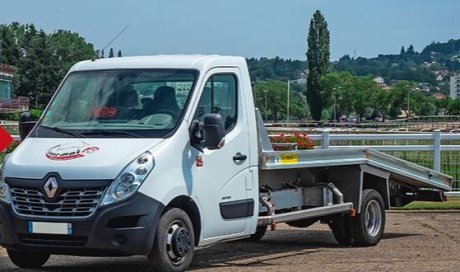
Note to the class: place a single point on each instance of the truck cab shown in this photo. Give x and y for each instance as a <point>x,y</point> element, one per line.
<point>119,145</point>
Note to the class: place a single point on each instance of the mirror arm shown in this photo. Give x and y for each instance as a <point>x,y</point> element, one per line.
<point>195,140</point>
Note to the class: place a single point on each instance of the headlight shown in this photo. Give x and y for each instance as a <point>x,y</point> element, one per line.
<point>130,179</point>
<point>4,188</point>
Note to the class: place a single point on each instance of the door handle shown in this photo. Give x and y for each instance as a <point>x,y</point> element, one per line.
<point>239,157</point>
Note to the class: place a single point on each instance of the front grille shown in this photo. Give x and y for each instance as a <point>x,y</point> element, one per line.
<point>74,202</point>
<point>52,240</point>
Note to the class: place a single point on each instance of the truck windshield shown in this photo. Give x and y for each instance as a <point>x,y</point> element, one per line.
<point>118,103</point>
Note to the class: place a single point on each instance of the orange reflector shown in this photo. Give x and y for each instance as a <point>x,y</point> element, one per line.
<point>445,198</point>
<point>273,226</point>
<point>352,212</point>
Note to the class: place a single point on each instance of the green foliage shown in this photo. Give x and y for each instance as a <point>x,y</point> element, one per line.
<point>36,113</point>
<point>318,62</point>
<point>264,69</point>
<point>41,60</point>
<point>360,95</point>
<point>275,92</point>
<point>454,106</point>
<point>451,204</point>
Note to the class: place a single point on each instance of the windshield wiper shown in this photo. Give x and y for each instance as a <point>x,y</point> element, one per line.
<point>65,131</point>
<point>112,133</point>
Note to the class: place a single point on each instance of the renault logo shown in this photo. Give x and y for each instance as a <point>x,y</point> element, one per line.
<point>51,187</point>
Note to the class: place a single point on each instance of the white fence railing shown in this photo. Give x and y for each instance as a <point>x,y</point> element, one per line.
<point>436,138</point>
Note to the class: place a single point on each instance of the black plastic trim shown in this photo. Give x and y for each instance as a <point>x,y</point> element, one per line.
<point>237,209</point>
<point>69,184</point>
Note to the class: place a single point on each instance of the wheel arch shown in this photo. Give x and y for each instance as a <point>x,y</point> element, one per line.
<point>378,183</point>
<point>187,204</point>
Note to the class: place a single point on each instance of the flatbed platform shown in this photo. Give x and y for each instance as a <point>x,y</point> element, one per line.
<point>399,170</point>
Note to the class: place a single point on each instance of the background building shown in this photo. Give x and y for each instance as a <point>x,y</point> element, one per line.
<point>455,86</point>
<point>6,82</point>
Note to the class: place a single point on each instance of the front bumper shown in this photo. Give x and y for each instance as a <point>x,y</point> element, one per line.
<point>123,229</point>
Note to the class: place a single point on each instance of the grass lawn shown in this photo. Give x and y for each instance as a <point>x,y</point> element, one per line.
<point>451,204</point>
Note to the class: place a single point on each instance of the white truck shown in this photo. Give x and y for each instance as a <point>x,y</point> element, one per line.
<point>160,155</point>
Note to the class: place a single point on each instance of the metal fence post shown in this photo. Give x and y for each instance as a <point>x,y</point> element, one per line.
<point>437,150</point>
<point>326,138</point>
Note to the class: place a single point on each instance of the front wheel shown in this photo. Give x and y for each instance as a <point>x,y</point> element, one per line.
<point>25,259</point>
<point>174,243</point>
<point>260,232</point>
<point>367,227</point>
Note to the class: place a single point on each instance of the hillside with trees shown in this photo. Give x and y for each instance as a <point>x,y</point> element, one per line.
<point>422,67</point>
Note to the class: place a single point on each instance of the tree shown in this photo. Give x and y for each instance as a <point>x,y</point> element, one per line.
<point>454,107</point>
<point>403,51</point>
<point>111,54</point>
<point>318,62</point>
<point>41,60</point>
<point>119,54</point>
<point>275,92</point>
<point>362,90</point>
<point>410,50</point>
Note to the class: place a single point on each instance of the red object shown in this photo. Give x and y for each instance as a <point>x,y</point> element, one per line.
<point>104,112</point>
<point>5,139</point>
<point>199,161</point>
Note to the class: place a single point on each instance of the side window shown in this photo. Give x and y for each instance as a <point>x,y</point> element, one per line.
<point>219,96</point>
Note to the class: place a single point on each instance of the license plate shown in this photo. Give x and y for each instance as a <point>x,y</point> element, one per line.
<point>50,228</point>
<point>288,159</point>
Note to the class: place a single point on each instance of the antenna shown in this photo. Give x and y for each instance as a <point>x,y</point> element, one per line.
<point>123,30</point>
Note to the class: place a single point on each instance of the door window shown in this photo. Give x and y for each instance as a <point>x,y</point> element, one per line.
<point>219,96</point>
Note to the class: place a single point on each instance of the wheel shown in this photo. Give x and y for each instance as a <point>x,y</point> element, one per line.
<point>340,226</point>
<point>172,113</point>
<point>174,243</point>
<point>367,227</point>
<point>24,259</point>
<point>260,232</point>
<point>303,223</point>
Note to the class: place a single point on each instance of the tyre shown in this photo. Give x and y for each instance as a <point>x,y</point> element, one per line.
<point>174,243</point>
<point>25,259</point>
<point>340,226</point>
<point>260,232</point>
<point>367,227</point>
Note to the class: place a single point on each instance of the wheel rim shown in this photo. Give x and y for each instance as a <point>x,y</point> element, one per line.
<point>373,218</point>
<point>178,242</point>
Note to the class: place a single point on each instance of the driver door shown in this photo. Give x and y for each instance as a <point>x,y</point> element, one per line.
<point>224,182</point>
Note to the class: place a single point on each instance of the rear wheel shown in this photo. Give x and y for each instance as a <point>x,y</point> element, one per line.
<point>174,243</point>
<point>25,259</point>
<point>367,227</point>
<point>340,226</point>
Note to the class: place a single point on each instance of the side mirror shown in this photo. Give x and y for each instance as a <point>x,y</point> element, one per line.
<point>213,129</point>
<point>26,124</point>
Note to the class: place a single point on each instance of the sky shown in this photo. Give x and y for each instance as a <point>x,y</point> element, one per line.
<point>249,28</point>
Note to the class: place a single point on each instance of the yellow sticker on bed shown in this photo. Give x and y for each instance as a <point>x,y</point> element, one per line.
<point>288,159</point>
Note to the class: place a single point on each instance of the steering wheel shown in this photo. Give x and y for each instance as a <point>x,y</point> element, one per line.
<point>172,113</point>
<point>171,120</point>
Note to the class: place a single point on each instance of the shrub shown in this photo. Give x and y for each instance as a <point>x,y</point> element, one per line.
<point>301,139</point>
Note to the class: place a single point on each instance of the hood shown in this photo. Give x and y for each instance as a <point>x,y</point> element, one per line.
<point>73,158</point>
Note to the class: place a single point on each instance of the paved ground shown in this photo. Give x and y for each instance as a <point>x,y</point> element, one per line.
<point>412,242</point>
